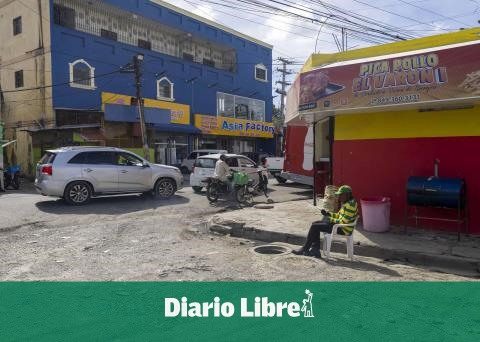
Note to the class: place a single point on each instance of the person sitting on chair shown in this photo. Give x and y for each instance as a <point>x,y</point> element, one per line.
<point>347,214</point>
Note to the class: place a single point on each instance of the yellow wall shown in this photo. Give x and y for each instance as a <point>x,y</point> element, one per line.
<point>408,124</point>
<point>180,113</point>
<point>214,125</point>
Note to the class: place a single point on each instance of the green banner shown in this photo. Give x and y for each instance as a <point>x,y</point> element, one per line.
<point>239,311</point>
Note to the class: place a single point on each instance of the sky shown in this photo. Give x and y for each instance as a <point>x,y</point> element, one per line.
<point>297,39</point>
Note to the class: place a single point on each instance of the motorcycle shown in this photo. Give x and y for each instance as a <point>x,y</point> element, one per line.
<point>217,188</point>
<point>248,191</point>
<point>11,176</point>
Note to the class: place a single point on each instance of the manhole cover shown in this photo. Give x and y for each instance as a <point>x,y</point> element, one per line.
<point>271,249</point>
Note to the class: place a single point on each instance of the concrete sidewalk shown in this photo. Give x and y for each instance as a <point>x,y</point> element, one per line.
<point>289,222</point>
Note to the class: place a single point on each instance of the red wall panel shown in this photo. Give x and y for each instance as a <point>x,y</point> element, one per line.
<point>381,167</point>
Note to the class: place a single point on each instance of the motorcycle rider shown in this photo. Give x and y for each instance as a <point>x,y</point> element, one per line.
<point>222,170</point>
<point>264,174</point>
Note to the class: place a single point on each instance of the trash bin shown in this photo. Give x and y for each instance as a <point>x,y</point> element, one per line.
<point>376,214</point>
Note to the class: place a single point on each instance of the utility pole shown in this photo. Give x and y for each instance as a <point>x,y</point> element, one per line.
<point>283,93</point>
<point>283,82</point>
<point>137,68</point>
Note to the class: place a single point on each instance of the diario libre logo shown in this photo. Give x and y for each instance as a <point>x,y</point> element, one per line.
<point>258,307</point>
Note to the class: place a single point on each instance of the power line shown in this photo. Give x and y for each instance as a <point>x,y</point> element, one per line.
<point>340,21</point>
<point>393,13</point>
<point>433,12</point>
<point>58,84</point>
<point>235,16</point>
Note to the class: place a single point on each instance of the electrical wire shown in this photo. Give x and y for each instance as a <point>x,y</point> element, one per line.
<point>58,84</point>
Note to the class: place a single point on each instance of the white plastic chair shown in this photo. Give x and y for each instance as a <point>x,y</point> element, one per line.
<point>328,238</point>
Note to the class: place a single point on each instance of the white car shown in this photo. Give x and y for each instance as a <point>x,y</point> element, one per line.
<point>204,167</point>
<point>275,167</point>
<point>187,164</point>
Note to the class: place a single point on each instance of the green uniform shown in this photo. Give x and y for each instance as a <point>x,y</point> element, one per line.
<point>347,214</point>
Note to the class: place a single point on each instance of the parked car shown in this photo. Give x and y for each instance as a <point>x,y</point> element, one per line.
<point>187,164</point>
<point>275,167</point>
<point>204,167</point>
<point>79,173</point>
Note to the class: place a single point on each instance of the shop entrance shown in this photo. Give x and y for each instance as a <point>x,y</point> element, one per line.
<point>171,150</point>
<point>241,146</point>
<point>323,153</point>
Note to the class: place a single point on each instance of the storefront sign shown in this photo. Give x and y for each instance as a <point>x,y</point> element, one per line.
<point>233,127</point>
<point>179,113</point>
<point>432,75</point>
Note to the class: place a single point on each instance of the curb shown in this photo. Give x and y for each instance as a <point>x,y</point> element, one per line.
<point>441,263</point>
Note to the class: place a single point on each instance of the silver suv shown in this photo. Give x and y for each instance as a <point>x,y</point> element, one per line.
<point>79,173</point>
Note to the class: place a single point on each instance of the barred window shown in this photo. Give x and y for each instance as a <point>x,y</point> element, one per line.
<point>261,73</point>
<point>165,89</point>
<point>82,75</point>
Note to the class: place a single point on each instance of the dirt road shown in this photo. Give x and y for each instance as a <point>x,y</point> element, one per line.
<point>139,238</point>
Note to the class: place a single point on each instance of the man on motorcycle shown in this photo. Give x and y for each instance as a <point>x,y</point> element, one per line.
<point>263,175</point>
<point>222,170</point>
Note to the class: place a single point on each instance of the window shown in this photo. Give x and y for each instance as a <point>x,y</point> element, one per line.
<point>244,162</point>
<point>261,73</point>
<point>209,62</point>
<point>82,75</point>
<point>188,57</point>
<point>257,110</point>
<point>108,34</point>
<point>240,107</point>
<point>66,117</point>
<point>47,158</point>
<point>232,162</point>
<point>17,26</point>
<point>205,163</point>
<point>165,89</point>
<point>78,159</point>
<point>19,79</point>
<point>64,16</point>
<point>127,159</point>
<point>144,44</point>
<point>99,158</point>
<point>225,105</point>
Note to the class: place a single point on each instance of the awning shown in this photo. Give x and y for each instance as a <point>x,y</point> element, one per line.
<point>122,113</point>
<point>176,128</point>
<point>60,128</point>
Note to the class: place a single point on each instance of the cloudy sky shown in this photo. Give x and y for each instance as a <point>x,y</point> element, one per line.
<point>297,38</point>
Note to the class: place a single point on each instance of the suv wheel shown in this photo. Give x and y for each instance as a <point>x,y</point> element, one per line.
<point>164,188</point>
<point>78,193</point>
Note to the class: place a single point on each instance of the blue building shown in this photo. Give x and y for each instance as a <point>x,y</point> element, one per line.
<point>204,85</point>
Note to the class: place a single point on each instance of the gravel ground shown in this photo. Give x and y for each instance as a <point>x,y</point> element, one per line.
<point>139,238</point>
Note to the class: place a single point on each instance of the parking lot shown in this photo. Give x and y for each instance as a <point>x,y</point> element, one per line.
<point>141,238</point>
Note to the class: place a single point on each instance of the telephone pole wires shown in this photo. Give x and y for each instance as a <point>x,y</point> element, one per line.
<point>284,84</point>
<point>283,93</point>
<point>137,68</point>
